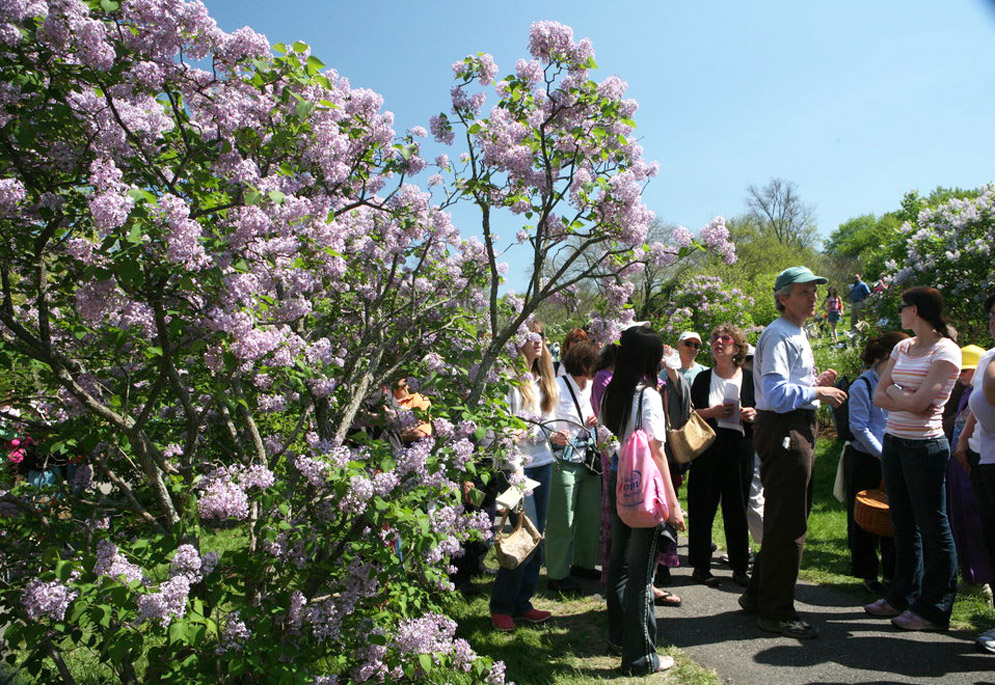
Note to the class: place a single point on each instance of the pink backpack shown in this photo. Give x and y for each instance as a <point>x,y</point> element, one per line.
<point>640,492</point>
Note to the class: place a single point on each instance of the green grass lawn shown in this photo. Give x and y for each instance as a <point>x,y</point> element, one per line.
<point>571,651</point>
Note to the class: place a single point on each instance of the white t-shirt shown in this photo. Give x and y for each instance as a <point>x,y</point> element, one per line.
<point>536,445</point>
<point>910,372</point>
<point>784,357</point>
<point>567,410</point>
<point>719,390</point>
<point>984,412</point>
<point>654,420</point>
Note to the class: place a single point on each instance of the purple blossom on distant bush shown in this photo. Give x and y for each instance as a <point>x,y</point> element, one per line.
<point>683,237</point>
<point>47,599</point>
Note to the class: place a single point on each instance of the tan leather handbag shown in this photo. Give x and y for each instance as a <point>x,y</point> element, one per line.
<point>514,547</point>
<point>690,440</point>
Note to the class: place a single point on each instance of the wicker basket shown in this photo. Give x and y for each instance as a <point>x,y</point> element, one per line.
<point>872,513</point>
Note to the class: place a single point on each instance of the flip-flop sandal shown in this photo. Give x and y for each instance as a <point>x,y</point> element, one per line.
<point>665,598</point>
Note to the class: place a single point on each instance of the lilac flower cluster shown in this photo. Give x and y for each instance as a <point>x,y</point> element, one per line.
<point>12,192</point>
<point>47,599</point>
<point>224,489</point>
<point>313,470</point>
<point>169,602</point>
<point>186,561</point>
<point>234,635</point>
<point>82,478</point>
<point>112,563</point>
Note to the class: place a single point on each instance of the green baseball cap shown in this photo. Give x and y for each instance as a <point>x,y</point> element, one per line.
<point>797,274</point>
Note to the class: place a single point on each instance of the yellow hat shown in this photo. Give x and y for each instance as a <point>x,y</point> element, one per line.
<point>970,355</point>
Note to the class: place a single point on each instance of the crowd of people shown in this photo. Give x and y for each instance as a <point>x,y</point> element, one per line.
<point>761,403</point>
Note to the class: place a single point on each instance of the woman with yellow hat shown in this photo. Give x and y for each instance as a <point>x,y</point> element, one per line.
<point>976,450</point>
<point>962,506</point>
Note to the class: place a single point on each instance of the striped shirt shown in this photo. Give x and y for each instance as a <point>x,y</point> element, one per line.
<point>910,372</point>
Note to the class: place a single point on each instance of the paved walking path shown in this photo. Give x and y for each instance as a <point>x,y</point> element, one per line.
<point>852,648</point>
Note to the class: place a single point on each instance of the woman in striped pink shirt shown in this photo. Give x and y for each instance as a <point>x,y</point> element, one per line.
<point>914,387</point>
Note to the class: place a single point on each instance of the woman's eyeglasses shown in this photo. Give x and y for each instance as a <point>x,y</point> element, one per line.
<point>723,338</point>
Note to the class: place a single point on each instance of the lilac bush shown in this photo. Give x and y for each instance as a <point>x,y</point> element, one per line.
<point>702,302</point>
<point>214,259</point>
<point>949,248</point>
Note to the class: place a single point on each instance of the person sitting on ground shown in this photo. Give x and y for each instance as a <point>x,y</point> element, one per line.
<point>418,404</point>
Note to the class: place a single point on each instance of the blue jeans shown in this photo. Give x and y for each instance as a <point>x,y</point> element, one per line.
<point>925,578</point>
<point>631,617</point>
<point>513,590</point>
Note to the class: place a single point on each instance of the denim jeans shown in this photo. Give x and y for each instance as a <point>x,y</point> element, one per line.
<point>631,616</point>
<point>925,578</point>
<point>513,590</point>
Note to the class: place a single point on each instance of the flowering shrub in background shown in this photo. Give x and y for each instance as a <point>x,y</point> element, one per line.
<point>702,303</point>
<point>950,248</point>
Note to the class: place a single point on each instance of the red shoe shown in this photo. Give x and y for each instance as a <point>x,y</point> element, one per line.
<point>536,616</point>
<point>503,622</point>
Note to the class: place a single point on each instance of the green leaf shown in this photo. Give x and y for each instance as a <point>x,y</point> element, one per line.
<point>300,46</point>
<point>179,631</point>
<point>276,197</point>
<point>109,5</point>
<point>280,47</point>
<point>426,662</point>
<point>304,108</point>
<point>313,61</point>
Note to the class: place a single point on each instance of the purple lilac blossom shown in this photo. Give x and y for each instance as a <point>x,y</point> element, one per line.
<point>111,563</point>
<point>47,599</point>
<point>169,602</point>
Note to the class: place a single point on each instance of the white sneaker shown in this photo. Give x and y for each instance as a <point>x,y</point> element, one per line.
<point>986,641</point>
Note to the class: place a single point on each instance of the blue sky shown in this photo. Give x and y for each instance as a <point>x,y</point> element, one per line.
<point>854,101</point>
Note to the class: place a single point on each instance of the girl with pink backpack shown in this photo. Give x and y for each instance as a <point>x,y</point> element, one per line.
<point>641,493</point>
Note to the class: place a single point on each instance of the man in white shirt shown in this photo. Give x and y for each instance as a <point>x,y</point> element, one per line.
<point>787,395</point>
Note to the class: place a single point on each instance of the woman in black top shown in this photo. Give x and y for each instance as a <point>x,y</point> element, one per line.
<point>723,396</point>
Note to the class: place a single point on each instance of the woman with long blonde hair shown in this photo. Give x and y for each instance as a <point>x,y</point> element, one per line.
<point>534,399</point>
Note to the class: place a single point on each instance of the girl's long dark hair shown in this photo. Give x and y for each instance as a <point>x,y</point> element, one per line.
<point>639,355</point>
<point>929,306</point>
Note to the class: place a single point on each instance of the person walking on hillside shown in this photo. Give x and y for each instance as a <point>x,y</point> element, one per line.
<point>787,395</point>
<point>859,292</point>
<point>834,311</point>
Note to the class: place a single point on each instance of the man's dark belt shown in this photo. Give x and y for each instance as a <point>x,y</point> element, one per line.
<point>807,414</point>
